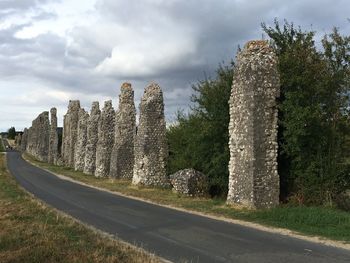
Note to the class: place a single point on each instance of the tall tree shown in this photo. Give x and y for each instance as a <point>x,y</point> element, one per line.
<point>11,133</point>
<point>200,139</point>
<point>312,119</point>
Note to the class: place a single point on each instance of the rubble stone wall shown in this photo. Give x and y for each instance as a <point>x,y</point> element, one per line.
<point>70,133</point>
<point>38,137</point>
<point>92,138</point>
<point>151,150</point>
<point>105,140</point>
<point>53,138</point>
<point>253,176</point>
<point>122,158</point>
<point>81,141</point>
<point>24,140</point>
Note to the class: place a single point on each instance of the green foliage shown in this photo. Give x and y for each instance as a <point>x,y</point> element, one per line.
<point>199,139</point>
<point>11,133</point>
<point>313,114</point>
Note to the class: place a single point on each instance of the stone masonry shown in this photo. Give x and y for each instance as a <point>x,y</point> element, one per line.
<point>81,141</point>
<point>190,182</point>
<point>105,140</point>
<point>92,138</point>
<point>122,159</point>
<point>253,176</point>
<point>70,133</point>
<point>150,144</point>
<point>53,138</point>
<point>24,140</point>
<point>38,137</point>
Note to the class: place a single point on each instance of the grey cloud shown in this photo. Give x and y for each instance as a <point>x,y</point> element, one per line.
<point>214,28</point>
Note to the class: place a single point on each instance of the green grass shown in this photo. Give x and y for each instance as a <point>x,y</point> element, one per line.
<point>323,222</point>
<point>32,232</point>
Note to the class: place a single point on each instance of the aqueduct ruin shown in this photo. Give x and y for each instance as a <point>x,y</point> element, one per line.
<point>107,143</point>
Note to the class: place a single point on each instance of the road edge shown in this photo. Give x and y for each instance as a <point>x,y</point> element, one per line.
<point>269,229</point>
<point>63,214</point>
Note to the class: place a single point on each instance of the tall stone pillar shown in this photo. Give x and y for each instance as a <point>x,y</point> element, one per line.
<point>150,144</point>
<point>92,138</point>
<point>105,140</point>
<point>24,140</point>
<point>38,137</point>
<point>122,159</point>
<point>70,133</point>
<point>53,141</point>
<point>81,141</point>
<point>253,176</point>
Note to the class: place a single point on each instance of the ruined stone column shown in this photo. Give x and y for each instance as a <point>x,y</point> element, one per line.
<point>92,138</point>
<point>24,140</point>
<point>105,140</point>
<point>65,140</point>
<point>38,139</point>
<point>53,141</point>
<point>253,179</point>
<point>122,159</point>
<point>70,133</point>
<point>150,144</point>
<point>81,141</point>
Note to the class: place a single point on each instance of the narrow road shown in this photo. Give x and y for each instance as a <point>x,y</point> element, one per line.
<point>173,235</point>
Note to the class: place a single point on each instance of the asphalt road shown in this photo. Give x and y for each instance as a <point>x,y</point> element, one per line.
<point>173,235</point>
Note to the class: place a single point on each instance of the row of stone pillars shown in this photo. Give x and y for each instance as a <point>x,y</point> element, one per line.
<point>106,144</point>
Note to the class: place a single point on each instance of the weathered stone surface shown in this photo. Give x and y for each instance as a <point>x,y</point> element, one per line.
<point>105,140</point>
<point>150,143</point>
<point>18,140</point>
<point>254,180</point>
<point>38,137</point>
<point>70,133</point>
<point>190,182</point>
<point>80,145</point>
<point>92,138</point>
<point>53,138</point>
<point>122,158</point>
<point>24,140</point>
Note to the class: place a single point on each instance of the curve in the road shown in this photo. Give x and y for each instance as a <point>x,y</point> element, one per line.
<point>174,235</point>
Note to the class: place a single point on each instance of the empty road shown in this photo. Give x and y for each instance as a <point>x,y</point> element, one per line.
<point>173,235</point>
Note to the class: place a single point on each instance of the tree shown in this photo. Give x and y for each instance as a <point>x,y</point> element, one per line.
<point>200,139</point>
<point>11,133</point>
<point>313,118</point>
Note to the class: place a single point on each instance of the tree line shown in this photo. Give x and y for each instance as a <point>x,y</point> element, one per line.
<point>314,125</point>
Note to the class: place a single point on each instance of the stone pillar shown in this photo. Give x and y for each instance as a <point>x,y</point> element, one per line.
<point>38,139</point>
<point>150,144</point>
<point>122,159</point>
<point>53,144</point>
<point>24,140</point>
<point>105,140</point>
<point>70,133</point>
<point>253,176</point>
<point>92,138</point>
<point>81,141</point>
<point>65,140</point>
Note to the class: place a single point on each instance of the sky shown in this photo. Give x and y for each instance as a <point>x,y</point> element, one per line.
<point>53,51</point>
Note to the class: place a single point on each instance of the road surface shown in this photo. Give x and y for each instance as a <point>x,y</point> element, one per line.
<point>174,235</point>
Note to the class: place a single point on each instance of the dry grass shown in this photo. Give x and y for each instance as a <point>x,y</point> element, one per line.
<point>312,221</point>
<point>32,232</point>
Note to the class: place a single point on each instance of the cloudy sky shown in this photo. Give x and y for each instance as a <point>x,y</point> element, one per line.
<point>52,51</point>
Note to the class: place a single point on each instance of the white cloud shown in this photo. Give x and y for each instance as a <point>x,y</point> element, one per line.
<point>55,50</point>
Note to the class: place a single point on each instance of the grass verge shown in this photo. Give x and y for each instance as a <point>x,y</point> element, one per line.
<point>32,232</point>
<point>322,222</point>
<point>2,148</point>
